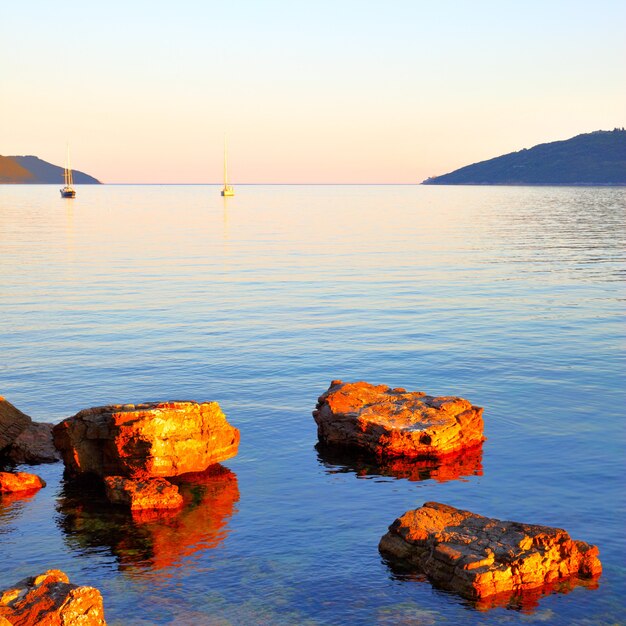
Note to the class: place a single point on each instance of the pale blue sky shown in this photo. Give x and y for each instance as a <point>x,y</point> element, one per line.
<point>343,91</point>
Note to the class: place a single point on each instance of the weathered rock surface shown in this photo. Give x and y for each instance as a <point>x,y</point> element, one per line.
<point>479,557</point>
<point>22,440</point>
<point>11,482</point>
<point>156,439</point>
<point>150,493</point>
<point>395,423</point>
<point>12,422</point>
<point>51,600</point>
<point>33,445</point>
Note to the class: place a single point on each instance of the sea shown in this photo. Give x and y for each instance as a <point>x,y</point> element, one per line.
<point>511,297</point>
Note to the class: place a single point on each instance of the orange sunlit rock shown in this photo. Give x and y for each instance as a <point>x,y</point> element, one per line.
<point>150,493</point>
<point>152,439</point>
<point>51,600</point>
<point>12,482</point>
<point>487,560</point>
<point>395,423</point>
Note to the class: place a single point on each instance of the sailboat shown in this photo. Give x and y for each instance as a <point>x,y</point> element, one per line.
<point>68,190</point>
<point>228,190</point>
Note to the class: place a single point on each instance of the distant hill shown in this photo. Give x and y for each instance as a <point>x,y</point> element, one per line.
<point>597,158</point>
<point>13,172</point>
<point>31,169</point>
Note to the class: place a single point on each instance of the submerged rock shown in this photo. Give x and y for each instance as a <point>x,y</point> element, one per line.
<point>479,557</point>
<point>11,482</point>
<point>22,440</point>
<point>392,423</point>
<point>151,493</point>
<point>51,600</point>
<point>156,439</point>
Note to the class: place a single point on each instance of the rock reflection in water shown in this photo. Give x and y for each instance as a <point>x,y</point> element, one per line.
<point>338,460</point>
<point>526,601</point>
<point>151,540</point>
<point>12,504</point>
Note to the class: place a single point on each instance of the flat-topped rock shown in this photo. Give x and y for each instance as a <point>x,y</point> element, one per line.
<point>51,600</point>
<point>13,482</point>
<point>151,439</point>
<point>391,423</point>
<point>149,493</point>
<point>479,557</point>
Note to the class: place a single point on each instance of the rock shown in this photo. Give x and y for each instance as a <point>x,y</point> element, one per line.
<point>22,440</point>
<point>51,600</point>
<point>156,439</point>
<point>12,423</point>
<point>340,460</point>
<point>392,423</point>
<point>479,557</point>
<point>150,493</point>
<point>19,481</point>
<point>33,445</point>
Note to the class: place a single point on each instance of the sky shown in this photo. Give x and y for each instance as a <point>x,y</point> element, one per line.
<point>306,91</point>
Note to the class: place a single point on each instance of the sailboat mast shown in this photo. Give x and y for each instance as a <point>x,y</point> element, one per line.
<point>67,172</point>
<point>227,191</point>
<point>70,182</point>
<point>68,190</point>
<point>225,165</point>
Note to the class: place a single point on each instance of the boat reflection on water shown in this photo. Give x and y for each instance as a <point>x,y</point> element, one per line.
<point>150,540</point>
<point>339,460</point>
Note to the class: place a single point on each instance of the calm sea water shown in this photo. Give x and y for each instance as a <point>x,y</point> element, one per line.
<point>510,297</point>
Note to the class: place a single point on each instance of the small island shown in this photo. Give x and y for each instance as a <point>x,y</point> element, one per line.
<point>597,158</point>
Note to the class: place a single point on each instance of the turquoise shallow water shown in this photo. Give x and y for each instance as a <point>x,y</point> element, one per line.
<point>511,297</point>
